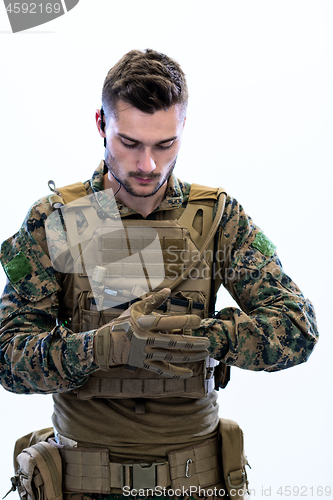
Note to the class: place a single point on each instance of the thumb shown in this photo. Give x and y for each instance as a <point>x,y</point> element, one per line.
<point>156,299</point>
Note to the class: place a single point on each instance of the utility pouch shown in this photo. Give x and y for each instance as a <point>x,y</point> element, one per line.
<point>40,473</point>
<point>233,459</point>
<point>38,467</point>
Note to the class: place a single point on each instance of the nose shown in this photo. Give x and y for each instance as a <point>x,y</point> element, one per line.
<point>145,162</point>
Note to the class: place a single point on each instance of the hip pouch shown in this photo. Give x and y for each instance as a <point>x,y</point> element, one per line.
<point>233,459</point>
<point>38,468</point>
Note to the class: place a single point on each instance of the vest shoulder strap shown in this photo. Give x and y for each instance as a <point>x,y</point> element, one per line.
<point>210,226</point>
<point>201,193</point>
<point>72,192</point>
<point>201,201</point>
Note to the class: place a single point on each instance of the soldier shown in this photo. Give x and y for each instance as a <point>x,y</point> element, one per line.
<point>109,305</point>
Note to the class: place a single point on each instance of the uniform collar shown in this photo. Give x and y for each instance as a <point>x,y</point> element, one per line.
<point>174,194</point>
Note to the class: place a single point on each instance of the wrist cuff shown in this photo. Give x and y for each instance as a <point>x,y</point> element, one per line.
<point>102,347</point>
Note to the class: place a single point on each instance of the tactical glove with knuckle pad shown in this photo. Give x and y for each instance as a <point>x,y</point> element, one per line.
<point>136,339</point>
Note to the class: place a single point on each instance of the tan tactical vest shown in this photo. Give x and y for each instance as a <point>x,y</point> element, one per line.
<point>111,266</point>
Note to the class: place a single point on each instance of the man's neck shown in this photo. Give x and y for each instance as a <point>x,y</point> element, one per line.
<point>141,205</point>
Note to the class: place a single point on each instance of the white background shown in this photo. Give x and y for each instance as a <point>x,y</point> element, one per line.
<point>260,75</point>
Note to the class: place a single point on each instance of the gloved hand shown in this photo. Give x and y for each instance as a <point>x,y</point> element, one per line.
<point>135,339</point>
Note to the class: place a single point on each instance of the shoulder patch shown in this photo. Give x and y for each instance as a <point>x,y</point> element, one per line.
<point>28,267</point>
<point>264,245</point>
<point>17,268</point>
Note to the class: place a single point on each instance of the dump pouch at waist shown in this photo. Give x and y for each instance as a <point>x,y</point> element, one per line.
<point>233,459</point>
<point>38,468</point>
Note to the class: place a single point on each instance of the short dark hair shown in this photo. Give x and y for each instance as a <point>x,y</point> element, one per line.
<point>148,80</point>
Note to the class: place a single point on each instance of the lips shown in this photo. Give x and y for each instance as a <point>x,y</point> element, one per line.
<point>144,180</point>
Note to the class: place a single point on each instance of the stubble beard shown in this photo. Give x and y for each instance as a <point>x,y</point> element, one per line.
<point>113,166</point>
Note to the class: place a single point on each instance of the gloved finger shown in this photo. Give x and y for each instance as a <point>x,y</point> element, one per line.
<point>144,340</point>
<point>167,370</point>
<point>148,304</point>
<point>176,342</point>
<point>178,356</point>
<point>158,322</point>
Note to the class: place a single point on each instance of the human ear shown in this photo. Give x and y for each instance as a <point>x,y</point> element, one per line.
<point>100,122</point>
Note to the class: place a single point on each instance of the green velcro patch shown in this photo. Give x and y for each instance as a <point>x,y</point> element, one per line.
<point>17,268</point>
<point>264,245</point>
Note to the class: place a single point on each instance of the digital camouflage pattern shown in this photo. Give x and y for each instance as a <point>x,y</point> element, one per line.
<point>273,329</point>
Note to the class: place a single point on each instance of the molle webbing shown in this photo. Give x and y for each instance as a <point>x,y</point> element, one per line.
<point>124,383</point>
<point>87,470</point>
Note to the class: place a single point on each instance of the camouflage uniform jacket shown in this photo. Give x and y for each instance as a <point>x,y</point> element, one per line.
<point>273,329</point>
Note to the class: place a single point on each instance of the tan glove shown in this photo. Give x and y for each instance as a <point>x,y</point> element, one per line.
<point>135,339</point>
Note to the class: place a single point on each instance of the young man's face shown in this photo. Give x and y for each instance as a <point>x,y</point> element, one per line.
<point>142,148</point>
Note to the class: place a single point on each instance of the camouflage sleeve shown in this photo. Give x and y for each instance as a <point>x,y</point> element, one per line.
<point>36,355</point>
<point>275,327</point>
